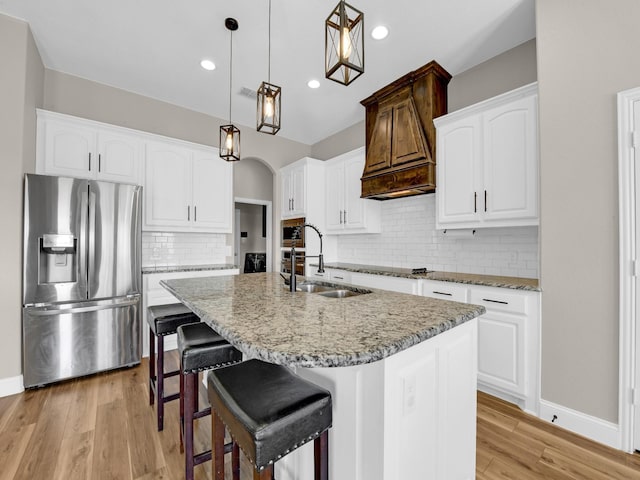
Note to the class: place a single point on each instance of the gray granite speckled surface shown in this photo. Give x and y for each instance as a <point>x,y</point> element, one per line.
<point>186,268</point>
<point>258,315</point>
<point>516,283</point>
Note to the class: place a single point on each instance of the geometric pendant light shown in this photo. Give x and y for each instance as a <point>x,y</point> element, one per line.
<point>268,108</point>
<point>344,44</point>
<point>229,146</point>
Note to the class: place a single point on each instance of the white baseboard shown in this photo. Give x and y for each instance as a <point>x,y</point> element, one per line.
<point>11,386</point>
<point>593,428</point>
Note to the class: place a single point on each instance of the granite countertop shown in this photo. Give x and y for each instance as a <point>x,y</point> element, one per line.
<point>517,283</point>
<point>187,268</point>
<point>257,314</point>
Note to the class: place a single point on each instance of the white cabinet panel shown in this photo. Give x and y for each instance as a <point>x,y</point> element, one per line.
<point>212,192</point>
<point>119,156</point>
<point>488,163</point>
<point>168,185</point>
<point>293,184</point>
<point>346,212</point>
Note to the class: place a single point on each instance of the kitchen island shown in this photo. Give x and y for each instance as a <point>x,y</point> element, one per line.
<point>401,369</point>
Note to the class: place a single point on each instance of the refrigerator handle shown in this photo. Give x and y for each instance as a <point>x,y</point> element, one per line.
<point>91,250</point>
<point>83,307</point>
<point>83,244</point>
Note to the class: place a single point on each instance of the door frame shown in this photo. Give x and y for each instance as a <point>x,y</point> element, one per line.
<point>629,219</point>
<point>269,248</point>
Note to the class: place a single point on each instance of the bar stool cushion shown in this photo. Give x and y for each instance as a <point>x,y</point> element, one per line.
<point>268,409</point>
<point>201,348</point>
<point>165,319</point>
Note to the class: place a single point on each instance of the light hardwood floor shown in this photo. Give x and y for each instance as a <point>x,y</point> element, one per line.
<point>102,427</point>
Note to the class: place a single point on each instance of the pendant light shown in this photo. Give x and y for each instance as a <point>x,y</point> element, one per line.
<point>229,134</point>
<point>344,44</point>
<point>268,111</point>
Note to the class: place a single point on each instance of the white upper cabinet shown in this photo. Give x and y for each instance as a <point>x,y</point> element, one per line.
<point>487,174</point>
<point>75,147</point>
<point>294,179</point>
<point>187,188</point>
<point>346,212</point>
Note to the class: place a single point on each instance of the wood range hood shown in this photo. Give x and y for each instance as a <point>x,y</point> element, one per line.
<point>401,136</point>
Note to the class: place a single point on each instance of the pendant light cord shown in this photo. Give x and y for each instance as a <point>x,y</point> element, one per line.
<point>269,69</point>
<point>230,72</point>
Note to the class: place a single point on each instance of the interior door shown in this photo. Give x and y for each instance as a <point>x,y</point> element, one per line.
<point>636,416</point>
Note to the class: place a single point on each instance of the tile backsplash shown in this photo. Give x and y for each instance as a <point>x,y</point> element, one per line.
<point>409,239</point>
<point>176,248</point>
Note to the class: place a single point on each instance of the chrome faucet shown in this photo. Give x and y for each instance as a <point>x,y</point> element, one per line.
<point>296,234</point>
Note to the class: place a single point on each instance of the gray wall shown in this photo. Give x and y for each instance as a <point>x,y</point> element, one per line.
<point>84,98</point>
<point>511,69</point>
<point>21,87</point>
<point>252,179</point>
<point>585,56</point>
<point>250,222</point>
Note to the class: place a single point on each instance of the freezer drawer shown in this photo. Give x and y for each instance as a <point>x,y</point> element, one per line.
<point>71,340</point>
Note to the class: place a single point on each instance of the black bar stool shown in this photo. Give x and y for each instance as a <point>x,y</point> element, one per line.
<point>163,320</point>
<point>200,348</point>
<point>268,411</point>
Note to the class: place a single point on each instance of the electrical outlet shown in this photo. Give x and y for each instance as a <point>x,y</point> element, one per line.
<point>409,394</point>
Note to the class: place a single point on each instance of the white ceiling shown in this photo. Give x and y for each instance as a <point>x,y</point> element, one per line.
<point>154,48</point>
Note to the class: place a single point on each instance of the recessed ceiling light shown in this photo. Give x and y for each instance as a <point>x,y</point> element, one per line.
<point>313,83</point>
<point>208,65</point>
<point>379,32</point>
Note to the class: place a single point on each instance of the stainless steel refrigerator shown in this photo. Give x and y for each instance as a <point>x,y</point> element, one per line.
<point>82,277</point>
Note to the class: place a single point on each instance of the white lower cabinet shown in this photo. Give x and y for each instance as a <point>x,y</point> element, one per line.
<point>445,291</point>
<point>155,294</point>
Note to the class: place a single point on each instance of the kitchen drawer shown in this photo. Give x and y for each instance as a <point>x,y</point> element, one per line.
<point>340,276</point>
<point>395,284</point>
<point>500,300</point>
<point>445,290</point>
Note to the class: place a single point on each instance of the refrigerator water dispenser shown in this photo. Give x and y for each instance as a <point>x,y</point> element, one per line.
<point>58,255</point>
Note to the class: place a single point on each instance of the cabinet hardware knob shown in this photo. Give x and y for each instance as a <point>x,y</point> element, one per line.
<point>475,202</point>
<point>345,217</point>
<point>99,162</point>
<point>339,278</point>
<point>443,293</point>
<point>188,213</point>
<point>195,213</point>
<point>340,217</point>
<point>495,301</point>
<point>89,161</point>
<point>485,200</point>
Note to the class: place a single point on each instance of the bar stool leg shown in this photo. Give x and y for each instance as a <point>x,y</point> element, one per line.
<point>321,456</point>
<point>182,389</point>
<point>217,446</point>
<point>152,365</point>
<point>160,383</point>
<point>189,389</point>
<point>235,460</point>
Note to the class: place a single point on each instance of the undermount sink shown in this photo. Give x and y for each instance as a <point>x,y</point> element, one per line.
<point>340,293</point>
<point>312,288</point>
<point>329,290</point>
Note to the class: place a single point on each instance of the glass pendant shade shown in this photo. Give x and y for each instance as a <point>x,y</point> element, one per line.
<point>268,108</point>
<point>344,44</point>
<point>230,143</point>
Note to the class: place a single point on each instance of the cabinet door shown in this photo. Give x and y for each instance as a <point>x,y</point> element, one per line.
<point>510,161</point>
<point>379,147</point>
<point>212,192</point>
<point>118,157</point>
<point>286,194</point>
<point>298,197</point>
<point>167,186</point>
<point>354,206</point>
<point>408,145</point>
<point>458,169</point>
<point>335,196</point>
<point>501,351</point>
<point>67,148</point>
